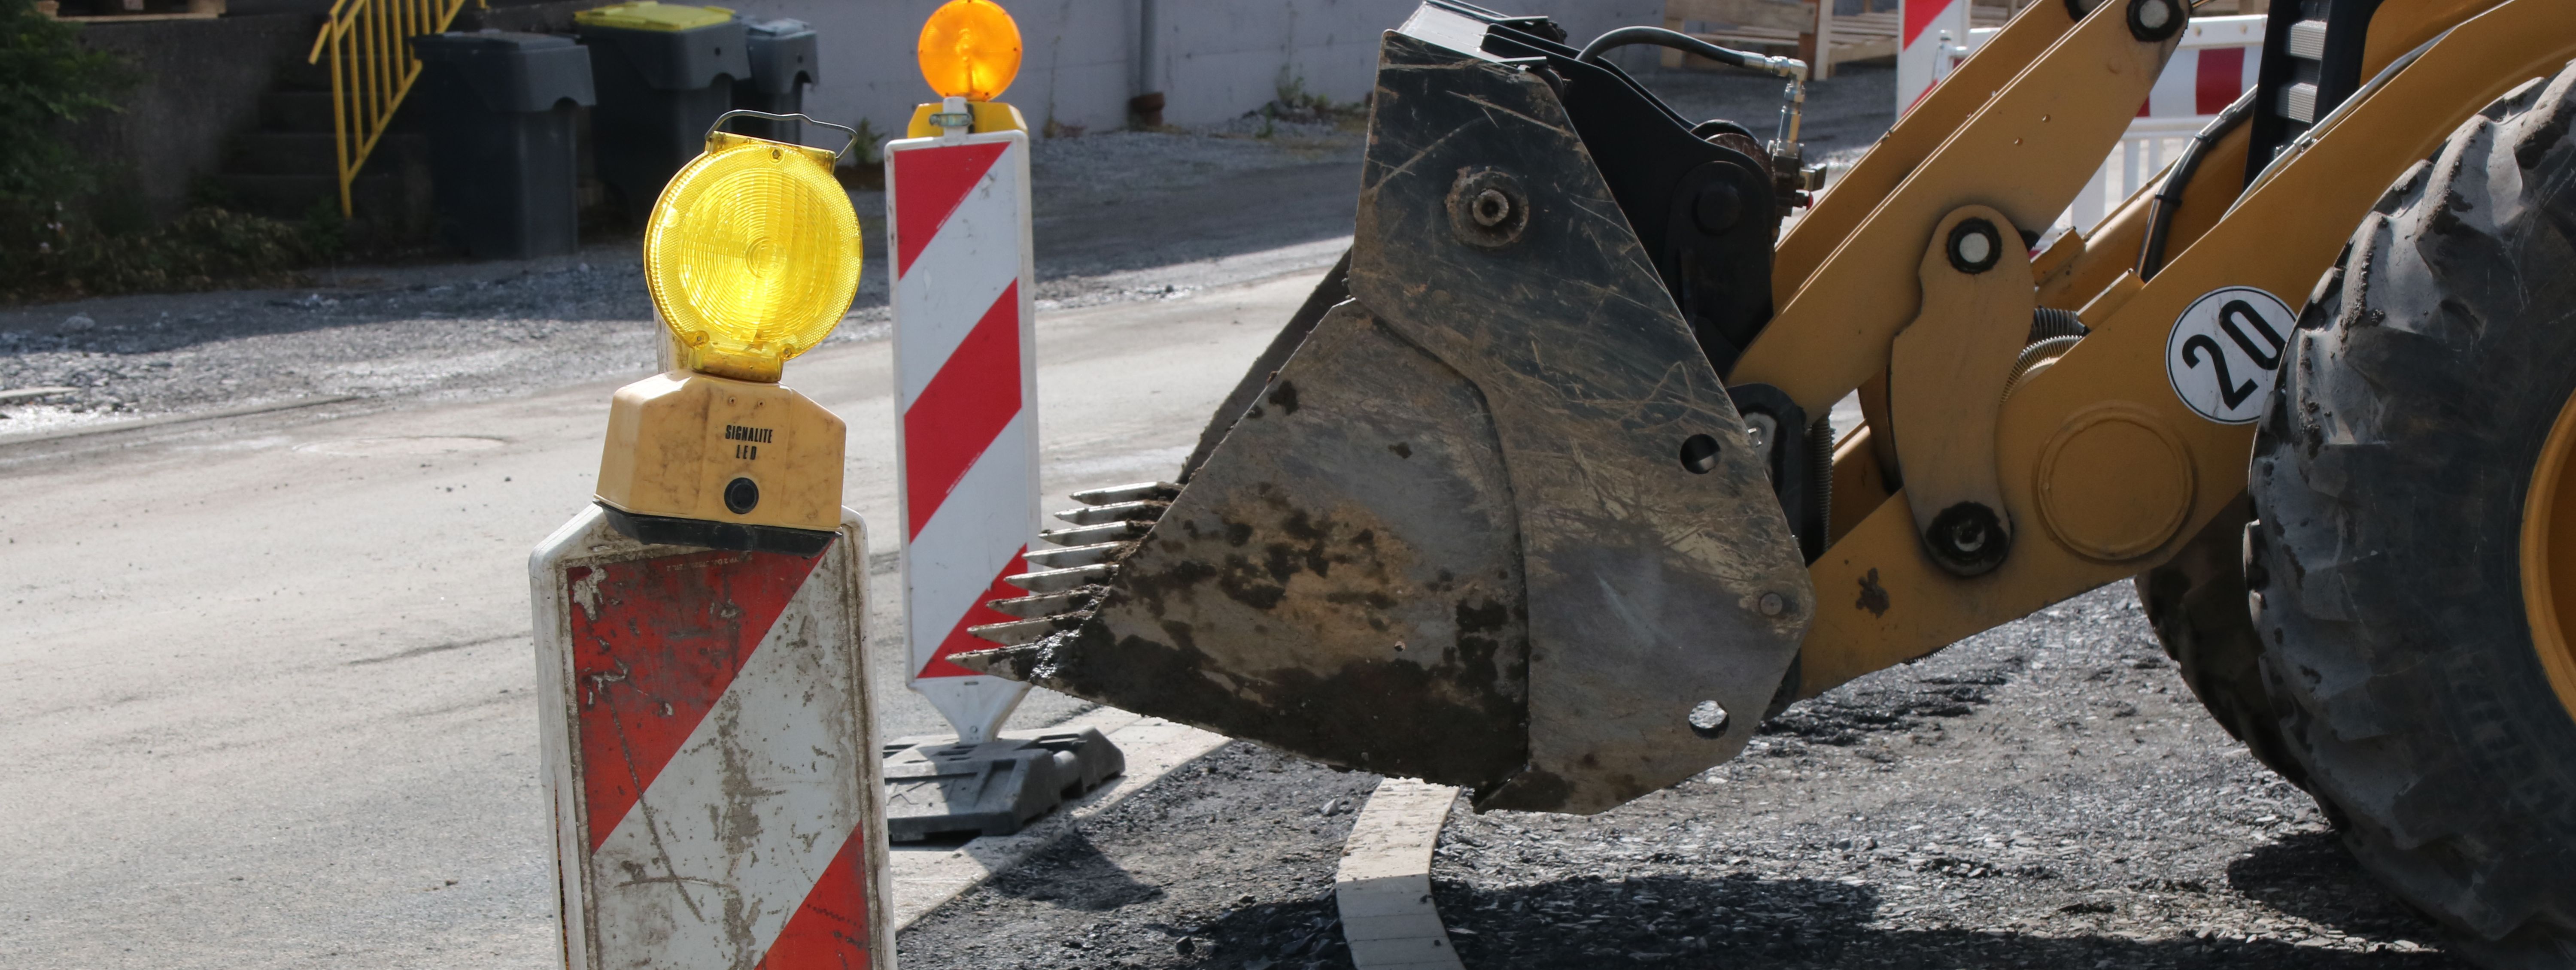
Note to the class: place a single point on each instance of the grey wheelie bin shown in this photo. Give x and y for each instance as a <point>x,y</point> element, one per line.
<point>782,65</point>
<point>664,73</point>
<point>502,113</point>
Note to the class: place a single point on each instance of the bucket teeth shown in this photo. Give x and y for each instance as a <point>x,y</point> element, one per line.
<point>1115,512</point>
<point>1017,632</point>
<point>1119,514</point>
<point>1090,555</point>
<point>1091,535</point>
<point>1066,583</point>
<point>1061,580</point>
<point>1139,492</point>
<point>1047,604</point>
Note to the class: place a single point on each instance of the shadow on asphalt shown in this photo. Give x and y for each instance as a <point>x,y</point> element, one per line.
<point>2309,875</point>
<point>1074,874</point>
<point>1749,922</point>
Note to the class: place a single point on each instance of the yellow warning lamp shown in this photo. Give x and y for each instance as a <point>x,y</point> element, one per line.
<point>970,52</point>
<point>970,49</point>
<point>751,257</point>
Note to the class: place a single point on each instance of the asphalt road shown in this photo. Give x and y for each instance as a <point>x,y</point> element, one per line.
<point>267,679</point>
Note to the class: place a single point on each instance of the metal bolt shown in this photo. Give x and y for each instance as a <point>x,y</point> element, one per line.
<point>1487,208</point>
<point>1968,539</point>
<point>1968,536</point>
<point>1974,246</point>
<point>1717,208</point>
<point>2154,21</point>
<point>1772,604</point>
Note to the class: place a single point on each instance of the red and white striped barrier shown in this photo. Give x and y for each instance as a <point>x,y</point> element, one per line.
<point>965,369</point>
<point>709,753</point>
<point>2217,61</point>
<point>2215,65</point>
<point>1928,43</point>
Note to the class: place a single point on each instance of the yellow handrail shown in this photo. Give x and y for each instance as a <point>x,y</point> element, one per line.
<point>372,67</point>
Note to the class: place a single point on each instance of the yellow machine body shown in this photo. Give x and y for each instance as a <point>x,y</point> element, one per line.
<point>2097,450</point>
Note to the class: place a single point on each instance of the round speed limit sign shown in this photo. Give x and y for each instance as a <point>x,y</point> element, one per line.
<point>2226,351</point>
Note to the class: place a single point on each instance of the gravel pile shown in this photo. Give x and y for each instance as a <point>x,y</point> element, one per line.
<point>2048,794</point>
<point>1225,862</point>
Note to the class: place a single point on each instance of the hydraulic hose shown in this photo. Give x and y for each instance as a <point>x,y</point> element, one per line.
<point>2168,197</point>
<point>1659,37</point>
<point>1793,101</point>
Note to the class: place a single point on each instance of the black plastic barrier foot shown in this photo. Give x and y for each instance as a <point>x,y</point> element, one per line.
<point>936,786</point>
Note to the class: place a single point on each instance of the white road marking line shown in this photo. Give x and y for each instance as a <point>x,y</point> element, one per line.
<point>1384,884</point>
<point>184,417</point>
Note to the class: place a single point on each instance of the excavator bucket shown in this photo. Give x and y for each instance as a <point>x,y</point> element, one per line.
<point>1492,520</point>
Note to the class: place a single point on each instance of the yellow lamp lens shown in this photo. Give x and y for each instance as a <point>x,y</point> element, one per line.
<point>752,255</point>
<point>970,49</point>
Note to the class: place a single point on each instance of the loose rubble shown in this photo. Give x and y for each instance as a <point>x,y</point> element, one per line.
<point>2046,795</point>
<point>1225,862</point>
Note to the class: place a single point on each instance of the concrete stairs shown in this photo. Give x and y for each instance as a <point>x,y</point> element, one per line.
<point>288,168</point>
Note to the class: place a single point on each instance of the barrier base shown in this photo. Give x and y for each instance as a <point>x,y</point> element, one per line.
<point>936,786</point>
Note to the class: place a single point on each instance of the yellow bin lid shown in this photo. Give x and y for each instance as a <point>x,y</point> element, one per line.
<point>648,15</point>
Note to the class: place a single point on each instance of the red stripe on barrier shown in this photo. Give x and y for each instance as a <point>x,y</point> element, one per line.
<point>2220,80</point>
<point>1919,14</point>
<point>960,641</point>
<point>975,393</point>
<point>655,643</point>
<point>930,184</point>
<point>831,929</point>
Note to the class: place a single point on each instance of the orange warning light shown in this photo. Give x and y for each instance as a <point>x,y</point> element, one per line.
<point>970,49</point>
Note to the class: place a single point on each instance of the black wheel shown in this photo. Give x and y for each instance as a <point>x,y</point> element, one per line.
<point>2196,601</point>
<point>2391,476</point>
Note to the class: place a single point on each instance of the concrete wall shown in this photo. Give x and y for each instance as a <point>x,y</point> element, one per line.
<point>1074,65</point>
<point>1216,58</point>
<point>201,86</point>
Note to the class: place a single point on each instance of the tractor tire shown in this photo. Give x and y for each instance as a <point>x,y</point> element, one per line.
<point>2196,602</point>
<point>2389,477</point>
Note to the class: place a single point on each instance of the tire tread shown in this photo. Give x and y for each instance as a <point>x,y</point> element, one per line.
<point>2385,478</point>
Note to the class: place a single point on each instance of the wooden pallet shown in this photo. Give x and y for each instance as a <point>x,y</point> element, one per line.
<point>197,10</point>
